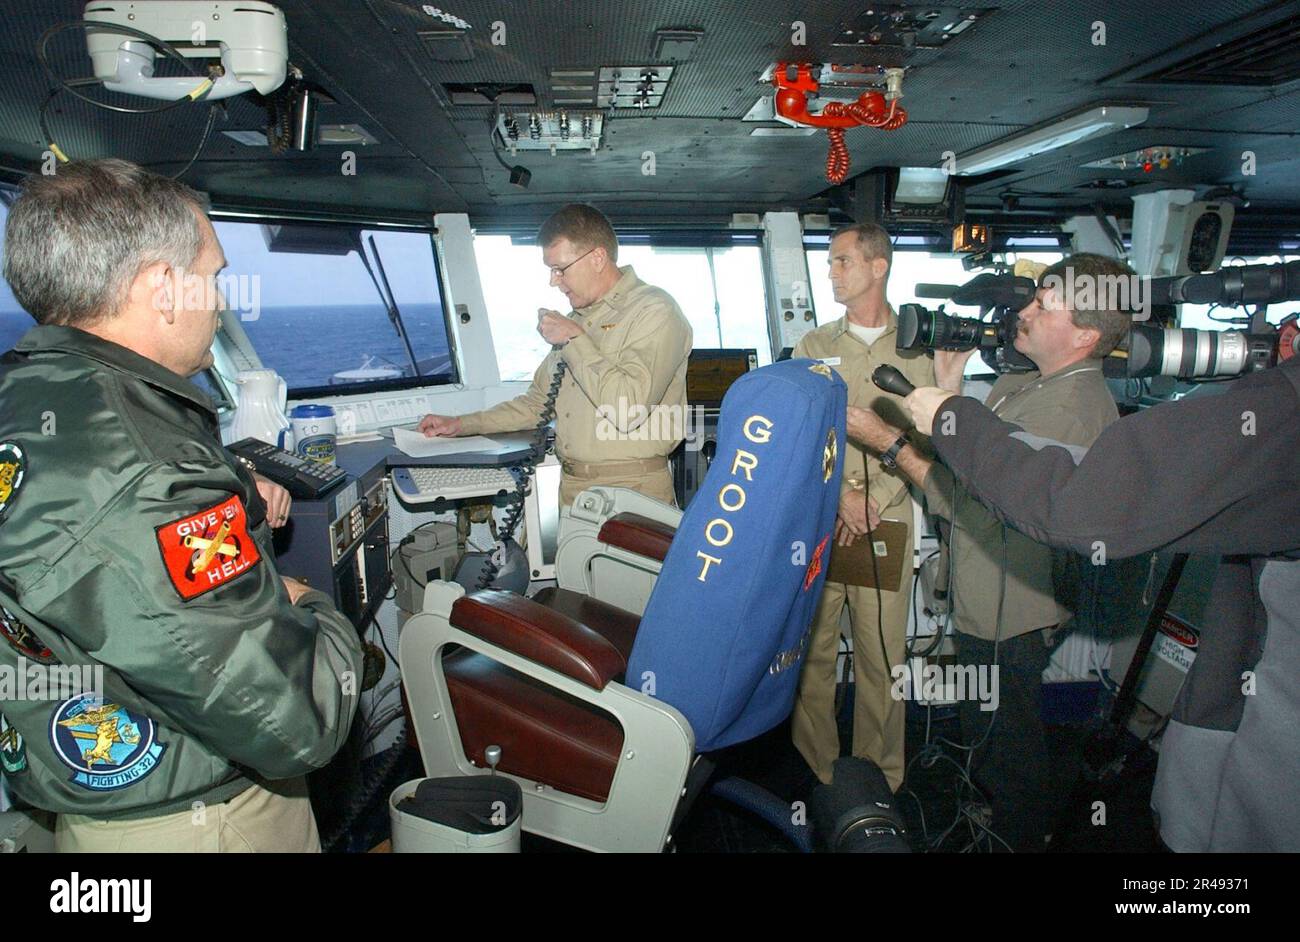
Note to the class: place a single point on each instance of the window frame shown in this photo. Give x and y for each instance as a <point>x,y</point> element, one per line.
<point>228,214</point>
<point>654,237</point>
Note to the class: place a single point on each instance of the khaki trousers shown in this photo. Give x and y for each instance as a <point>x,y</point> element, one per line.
<point>878,718</point>
<point>254,821</point>
<point>654,484</point>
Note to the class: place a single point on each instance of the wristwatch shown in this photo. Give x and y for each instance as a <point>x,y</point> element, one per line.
<point>889,457</point>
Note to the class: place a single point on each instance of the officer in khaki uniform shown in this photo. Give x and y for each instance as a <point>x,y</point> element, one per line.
<point>1005,586</point>
<point>854,346</point>
<point>621,408</point>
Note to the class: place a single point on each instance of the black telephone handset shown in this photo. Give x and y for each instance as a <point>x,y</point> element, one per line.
<point>303,479</point>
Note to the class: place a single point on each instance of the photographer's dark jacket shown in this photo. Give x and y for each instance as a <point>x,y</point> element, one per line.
<point>1214,474</point>
<point>129,540</point>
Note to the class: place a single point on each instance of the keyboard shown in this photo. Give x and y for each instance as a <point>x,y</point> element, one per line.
<point>421,485</point>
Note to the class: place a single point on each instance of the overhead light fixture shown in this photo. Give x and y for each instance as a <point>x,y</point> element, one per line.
<point>1085,125</point>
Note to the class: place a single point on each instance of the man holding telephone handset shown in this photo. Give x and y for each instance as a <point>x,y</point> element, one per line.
<point>624,352</point>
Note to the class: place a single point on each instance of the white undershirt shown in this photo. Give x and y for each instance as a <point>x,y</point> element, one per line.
<point>867,335</point>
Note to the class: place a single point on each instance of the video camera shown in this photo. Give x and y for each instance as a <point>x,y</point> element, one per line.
<point>1149,350</point>
<point>1188,353</point>
<point>999,297</point>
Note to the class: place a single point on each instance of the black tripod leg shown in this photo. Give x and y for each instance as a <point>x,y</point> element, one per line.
<point>1104,747</point>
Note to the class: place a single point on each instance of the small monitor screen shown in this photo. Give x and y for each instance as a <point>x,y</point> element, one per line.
<point>921,186</point>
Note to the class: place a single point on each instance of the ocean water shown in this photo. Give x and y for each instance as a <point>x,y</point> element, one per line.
<point>308,345</point>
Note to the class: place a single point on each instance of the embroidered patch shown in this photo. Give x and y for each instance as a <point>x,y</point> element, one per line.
<point>815,564</point>
<point>206,550</point>
<point>13,751</point>
<point>829,454</point>
<point>22,639</point>
<point>13,467</point>
<point>106,747</point>
<point>821,369</point>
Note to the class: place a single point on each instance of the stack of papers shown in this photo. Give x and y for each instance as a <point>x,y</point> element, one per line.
<point>417,445</point>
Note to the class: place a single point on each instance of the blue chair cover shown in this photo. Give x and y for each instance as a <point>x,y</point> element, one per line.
<point>724,633</point>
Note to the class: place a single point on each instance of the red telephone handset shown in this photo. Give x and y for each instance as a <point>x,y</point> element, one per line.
<point>868,111</point>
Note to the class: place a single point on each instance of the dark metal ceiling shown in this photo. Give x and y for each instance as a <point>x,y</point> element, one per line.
<point>1024,63</point>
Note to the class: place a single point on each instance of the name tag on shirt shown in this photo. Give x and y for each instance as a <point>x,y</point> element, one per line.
<point>830,361</point>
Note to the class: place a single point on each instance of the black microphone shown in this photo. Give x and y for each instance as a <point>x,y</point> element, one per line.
<point>891,380</point>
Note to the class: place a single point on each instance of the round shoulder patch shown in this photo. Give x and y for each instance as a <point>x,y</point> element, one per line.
<point>106,747</point>
<point>13,467</point>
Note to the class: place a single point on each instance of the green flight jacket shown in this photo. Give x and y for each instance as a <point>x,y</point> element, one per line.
<point>130,539</point>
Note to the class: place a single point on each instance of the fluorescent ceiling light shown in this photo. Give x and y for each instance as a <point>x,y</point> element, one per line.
<point>1105,119</point>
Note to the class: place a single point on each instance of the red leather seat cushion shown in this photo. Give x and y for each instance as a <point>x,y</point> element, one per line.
<point>544,735</point>
<point>615,625</point>
<point>638,534</point>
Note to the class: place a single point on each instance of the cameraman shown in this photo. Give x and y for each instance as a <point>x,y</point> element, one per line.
<point>1214,474</point>
<point>1004,599</point>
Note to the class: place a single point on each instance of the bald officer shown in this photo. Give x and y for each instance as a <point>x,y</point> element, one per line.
<point>854,345</point>
<point>621,408</point>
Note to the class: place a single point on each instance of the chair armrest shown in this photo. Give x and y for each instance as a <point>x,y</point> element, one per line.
<point>638,534</point>
<point>540,634</point>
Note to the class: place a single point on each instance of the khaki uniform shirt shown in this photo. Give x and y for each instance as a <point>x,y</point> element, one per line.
<point>1071,406</point>
<point>624,395</point>
<point>836,346</point>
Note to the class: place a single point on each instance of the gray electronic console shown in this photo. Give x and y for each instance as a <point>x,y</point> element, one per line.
<point>339,542</point>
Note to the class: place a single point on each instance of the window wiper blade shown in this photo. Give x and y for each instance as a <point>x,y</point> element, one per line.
<point>385,290</point>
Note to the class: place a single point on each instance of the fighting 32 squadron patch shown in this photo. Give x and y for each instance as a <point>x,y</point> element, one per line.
<point>106,747</point>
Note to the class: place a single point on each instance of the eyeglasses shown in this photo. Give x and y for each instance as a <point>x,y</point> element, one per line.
<point>558,272</point>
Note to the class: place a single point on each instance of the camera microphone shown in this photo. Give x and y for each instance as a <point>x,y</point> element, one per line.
<point>891,380</point>
<point>941,292</point>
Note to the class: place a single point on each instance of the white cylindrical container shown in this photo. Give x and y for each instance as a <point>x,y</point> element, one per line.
<point>469,814</point>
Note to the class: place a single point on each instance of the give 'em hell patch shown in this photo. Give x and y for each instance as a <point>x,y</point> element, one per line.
<point>206,550</point>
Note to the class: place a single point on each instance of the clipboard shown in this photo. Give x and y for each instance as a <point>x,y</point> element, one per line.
<point>852,565</point>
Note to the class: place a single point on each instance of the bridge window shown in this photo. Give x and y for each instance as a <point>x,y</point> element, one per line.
<point>14,321</point>
<point>338,309</point>
<point>718,287</point>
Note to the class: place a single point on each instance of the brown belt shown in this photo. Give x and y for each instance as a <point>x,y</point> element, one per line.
<point>589,469</point>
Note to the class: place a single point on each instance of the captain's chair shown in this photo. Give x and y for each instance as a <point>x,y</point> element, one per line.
<point>600,714</point>
<point>611,547</point>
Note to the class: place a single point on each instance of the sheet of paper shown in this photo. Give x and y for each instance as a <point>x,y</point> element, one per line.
<point>417,446</point>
